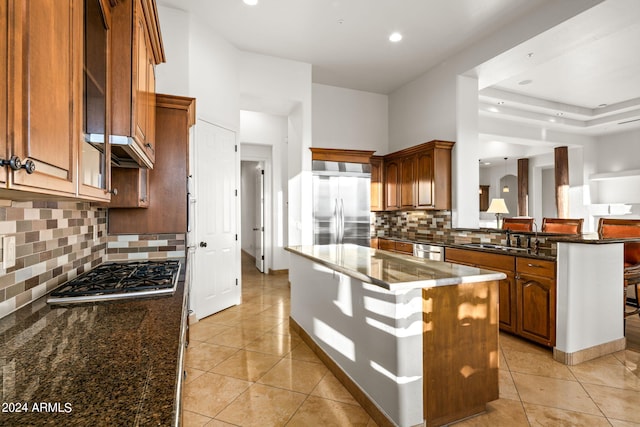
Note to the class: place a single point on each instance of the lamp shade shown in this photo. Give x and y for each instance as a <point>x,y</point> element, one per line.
<point>498,206</point>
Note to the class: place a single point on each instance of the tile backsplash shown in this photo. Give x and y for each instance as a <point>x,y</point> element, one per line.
<point>124,247</point>
<point>58,240</point>
<point>412,224</point>
<point>435,227</point>
<point>55,241</point>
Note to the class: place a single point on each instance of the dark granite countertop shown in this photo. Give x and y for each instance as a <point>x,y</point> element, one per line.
<point>591,238</point>
<point>107,363</point>
<point>543,253</point>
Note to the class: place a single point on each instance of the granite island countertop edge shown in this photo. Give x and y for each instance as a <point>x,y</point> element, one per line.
<point>459,274</point>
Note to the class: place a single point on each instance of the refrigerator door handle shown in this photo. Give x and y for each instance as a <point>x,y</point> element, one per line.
<point>336,216</point>
<point>341,220</point>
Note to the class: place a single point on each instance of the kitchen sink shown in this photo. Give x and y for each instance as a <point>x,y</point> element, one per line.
<point>494,246</point>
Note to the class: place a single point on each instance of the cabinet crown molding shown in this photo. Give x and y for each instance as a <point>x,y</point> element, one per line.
<point>340,155</point>
<point>421,147</point>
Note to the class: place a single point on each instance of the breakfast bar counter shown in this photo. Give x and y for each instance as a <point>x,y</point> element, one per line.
<point>102,363</point>
<point>414,340</point>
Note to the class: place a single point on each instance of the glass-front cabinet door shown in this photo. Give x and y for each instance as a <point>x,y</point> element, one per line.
<point>94,152</point>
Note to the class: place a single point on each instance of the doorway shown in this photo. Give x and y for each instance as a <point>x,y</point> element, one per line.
<point>252,202</point>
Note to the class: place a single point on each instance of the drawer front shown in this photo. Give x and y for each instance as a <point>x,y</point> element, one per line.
<point>387,245</point>
<point>480,259</point>
<point>374,243</point>
<point>535,266</point>
<point>404,247</point>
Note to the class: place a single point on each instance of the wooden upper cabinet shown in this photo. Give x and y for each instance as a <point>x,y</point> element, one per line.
<point>167,201</point>
<point>137,49</point>
<point>131,188</point>
<point>94,151</point>
<point>377,183</point>
<point>407,181</point>
<point>423,178</point>
<point>391,184</point>
<point>43,92</point>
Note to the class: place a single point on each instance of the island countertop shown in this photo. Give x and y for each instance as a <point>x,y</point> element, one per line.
<point>392,271</point>
<point>102,363</point>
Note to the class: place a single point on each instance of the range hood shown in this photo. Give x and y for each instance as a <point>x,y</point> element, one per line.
<point>125,151</point>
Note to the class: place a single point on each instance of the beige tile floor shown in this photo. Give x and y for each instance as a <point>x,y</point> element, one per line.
<point>246,368</point>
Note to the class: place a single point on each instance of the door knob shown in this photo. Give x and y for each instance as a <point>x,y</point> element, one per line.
<point>203,244</point>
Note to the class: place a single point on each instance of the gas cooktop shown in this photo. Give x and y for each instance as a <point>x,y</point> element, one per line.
<point>118,280</point>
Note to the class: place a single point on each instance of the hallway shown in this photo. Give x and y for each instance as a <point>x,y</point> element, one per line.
<point>246,368</point>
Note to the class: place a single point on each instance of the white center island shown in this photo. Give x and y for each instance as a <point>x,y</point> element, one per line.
<point>414,340</point>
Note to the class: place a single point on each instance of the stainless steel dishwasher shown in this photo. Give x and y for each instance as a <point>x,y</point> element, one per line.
<point>431,252</point>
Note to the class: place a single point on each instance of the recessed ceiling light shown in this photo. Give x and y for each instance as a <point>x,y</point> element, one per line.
<point>525,82</point>
<point>395,37</point>
<point>250,2</point>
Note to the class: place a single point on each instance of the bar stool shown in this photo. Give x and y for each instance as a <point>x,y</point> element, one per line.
<point>562,225</point>
<point>517,224</point>
<point>623,228</point>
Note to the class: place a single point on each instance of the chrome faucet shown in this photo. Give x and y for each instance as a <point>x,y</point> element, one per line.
<point>536,244</point>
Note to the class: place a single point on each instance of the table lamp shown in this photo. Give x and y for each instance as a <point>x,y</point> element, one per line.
<point>498,207</point>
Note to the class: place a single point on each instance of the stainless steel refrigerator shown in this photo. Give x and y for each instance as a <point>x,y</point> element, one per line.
<point>341,202</point>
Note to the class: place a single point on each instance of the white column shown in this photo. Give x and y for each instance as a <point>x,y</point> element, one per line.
<point>465,155</point>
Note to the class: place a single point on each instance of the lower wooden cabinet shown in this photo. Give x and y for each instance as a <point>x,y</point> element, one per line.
<point>527,297</point>
<point>536,306</point>
<point>507,297</point>
<point>395,246</point>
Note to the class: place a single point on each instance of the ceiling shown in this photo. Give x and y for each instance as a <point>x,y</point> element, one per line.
<point>584,74</point>
<point>346,41</point>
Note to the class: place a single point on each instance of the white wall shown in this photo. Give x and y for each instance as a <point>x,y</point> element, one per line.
<point>350,119</point>
<point>549,208</point>
<point>264,137</point>
<point>172,77</point>
<point>200,64</point>
<point>427,108</point>
<point>274,81</point>
<point>213,76</point>
<point>615,153</point>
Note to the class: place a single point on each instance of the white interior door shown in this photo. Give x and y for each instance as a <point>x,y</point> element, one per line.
<point>258,230</point>
<point>216,274</point>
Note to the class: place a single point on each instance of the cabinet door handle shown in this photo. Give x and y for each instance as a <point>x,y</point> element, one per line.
<point>534,265</point>
<point>16,164</point>
<point>29,166</point>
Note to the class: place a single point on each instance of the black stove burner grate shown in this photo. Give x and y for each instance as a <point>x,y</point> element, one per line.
<point>118,278</point>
